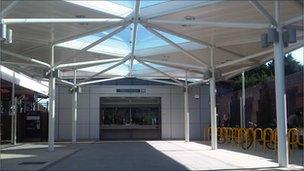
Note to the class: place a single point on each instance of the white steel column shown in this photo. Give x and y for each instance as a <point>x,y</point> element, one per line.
<point>134,33</point>
<point>52,81</point>
<point>13,113</point>
<point>74,109</point>
<point>213,104</point>
<point>59,20</point>
<point>241,112</point>
<point>280,93</point>
<point>186,100</point>
<point>243,101</point>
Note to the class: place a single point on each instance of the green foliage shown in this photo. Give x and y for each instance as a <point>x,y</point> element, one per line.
<point>265,72</point>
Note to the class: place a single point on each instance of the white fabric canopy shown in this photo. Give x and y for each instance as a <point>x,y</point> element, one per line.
<point>152,37</point>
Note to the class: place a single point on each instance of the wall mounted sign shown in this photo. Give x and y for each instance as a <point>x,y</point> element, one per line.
<point>130,90</point>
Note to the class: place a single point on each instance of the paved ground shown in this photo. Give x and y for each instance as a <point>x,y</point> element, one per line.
<point>152,155</point>
<point>17,157</point>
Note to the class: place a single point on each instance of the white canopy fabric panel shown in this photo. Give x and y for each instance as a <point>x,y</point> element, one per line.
<point>170,36</point>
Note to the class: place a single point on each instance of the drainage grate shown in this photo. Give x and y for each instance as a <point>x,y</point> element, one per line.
<point>33,163</point>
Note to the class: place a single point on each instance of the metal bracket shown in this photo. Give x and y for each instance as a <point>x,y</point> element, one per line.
<point>56,73</point>
<point>6,35</point>
<point>77,89</point>
<point>217,74</point>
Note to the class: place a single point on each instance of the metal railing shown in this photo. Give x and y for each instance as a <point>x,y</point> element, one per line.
<point>250,137</point>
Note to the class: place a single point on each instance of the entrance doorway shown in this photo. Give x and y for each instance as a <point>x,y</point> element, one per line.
<point>130,118</point>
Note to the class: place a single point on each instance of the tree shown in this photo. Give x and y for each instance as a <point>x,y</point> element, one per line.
<point>266,72</point>
<point>291,65</point>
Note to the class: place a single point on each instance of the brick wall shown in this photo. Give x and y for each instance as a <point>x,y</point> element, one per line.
<point>260,101</point>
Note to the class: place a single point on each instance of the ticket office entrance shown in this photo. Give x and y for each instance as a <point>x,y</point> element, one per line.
<point>130,118</point>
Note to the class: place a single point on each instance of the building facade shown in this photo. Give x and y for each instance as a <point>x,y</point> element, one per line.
<point>89,121</point>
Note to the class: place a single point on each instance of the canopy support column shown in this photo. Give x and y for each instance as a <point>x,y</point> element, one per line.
<point>280,94</point>
<point>213,105</point>
<point>186,100</point>
<point>52,82</point>
<point>13,114</point>
<point>243,102</point>
<point>74,109</point>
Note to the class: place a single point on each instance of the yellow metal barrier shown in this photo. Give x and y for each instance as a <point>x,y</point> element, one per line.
<point>221,133</point>
<point>242,134</point>
<point>248,134</point>
<point>267,135</point>
<point>300,137</point>
<point>219,130</point>
<point>293,136</point>
<point>209,133</point>
<point>257,135</point>
<point>229,134</point>
<point>275,139</point>
<point>235,132</point>
<point>267,139</point>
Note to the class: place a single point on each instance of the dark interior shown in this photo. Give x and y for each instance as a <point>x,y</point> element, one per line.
<point>130,118</point>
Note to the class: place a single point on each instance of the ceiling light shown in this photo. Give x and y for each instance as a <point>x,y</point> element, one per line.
<point>188,18</point>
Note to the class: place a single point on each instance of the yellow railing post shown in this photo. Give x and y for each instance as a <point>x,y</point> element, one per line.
<point>256,132</point>
<point>300,138</point>
<point>229,133</point>
<point>293,135</point>
<point>265,140</point>
<point>275,139</point>
<point>242,135</point>
<point>209,132</point>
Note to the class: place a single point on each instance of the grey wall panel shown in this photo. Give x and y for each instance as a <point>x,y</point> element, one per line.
<point>56,131</point>
<point>205,111</point>
<point>165,116</point>
<point>85,90</point>
<point>56,115</point>
<point>94,100</point>
<point>63,89</point>
<point>57,97</point>
<point>194,114</point>
<point>157,90</point>
<point>65,131</point>
<point>177,130</point>
<point>195,131</point>
<point>177,101</point>
<point>102,89</point>
<point>177,115</point>
<point>166,131</point>
<point>204,131</point>
<point>205,115</point>
<point>194,103</point>
<point>165,101</point>
<point>94,131</point>
<point>83,100</point>
<point>65,116</point>
<point>83,116</point>
<point>94,116</point>
<point>177,90</point>
<point>83,131</point>
<point>65,100</point>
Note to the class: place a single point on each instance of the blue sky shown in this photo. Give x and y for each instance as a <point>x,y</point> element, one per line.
<point>298,55</point>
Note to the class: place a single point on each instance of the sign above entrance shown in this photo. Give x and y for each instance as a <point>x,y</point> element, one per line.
<point>130,90</point>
